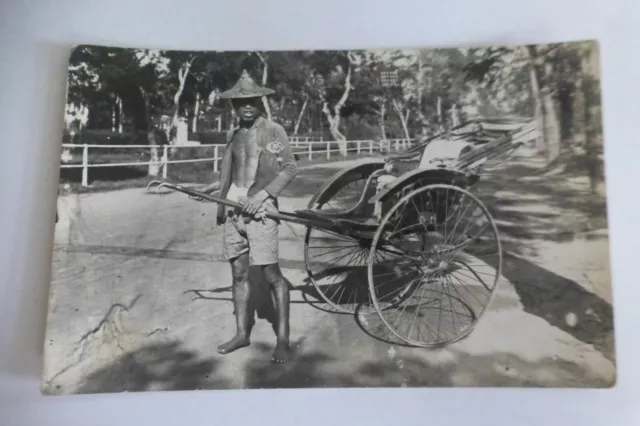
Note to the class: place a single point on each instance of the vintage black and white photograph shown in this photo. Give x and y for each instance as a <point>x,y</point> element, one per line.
<point>393,217</point>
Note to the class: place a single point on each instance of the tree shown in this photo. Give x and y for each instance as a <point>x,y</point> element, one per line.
<point>265,74</point>
<point>330,81</point>
<point>497,66</point>
<point>127,77</point>
<point>180,64</point>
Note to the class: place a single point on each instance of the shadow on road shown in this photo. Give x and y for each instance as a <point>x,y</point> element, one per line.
<point>317,369</point>
<point>262,303</point>
<point>562,303</point>
<point>167,367</point>
<point>162,366</point>
<point>530,205</point>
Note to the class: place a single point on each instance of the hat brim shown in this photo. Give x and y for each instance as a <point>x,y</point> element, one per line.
<point>236,94</point>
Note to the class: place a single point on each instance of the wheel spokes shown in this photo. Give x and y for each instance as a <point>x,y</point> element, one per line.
<point>336,264</point>
<point>449,245</point>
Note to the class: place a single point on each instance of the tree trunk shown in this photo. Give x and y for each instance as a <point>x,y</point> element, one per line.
<point>551,125</point>
<point>120,115</point>
<point>566,95</point>
<point>403,120</point>
<point>537,100</point>
<point>550,115</point>
<point>455,116</point>
<point>439,112</point>
<point>196,112</point>
<point>299,120</point>
<point>420,84</point>
<point>183,72</point>
<point>154,167</point>
<point>334,129</point>
<point>590,91</point>
<point>265,101</point>
<point>382,113</point>
<point>182,131</point>
<point>114,115</point>
<point>334,120</point>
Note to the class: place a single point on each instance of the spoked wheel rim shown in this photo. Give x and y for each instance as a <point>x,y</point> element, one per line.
<point>337,264</point>
<point>436,265</point>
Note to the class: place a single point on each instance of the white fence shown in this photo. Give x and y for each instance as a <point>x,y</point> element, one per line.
<point>308,149</point>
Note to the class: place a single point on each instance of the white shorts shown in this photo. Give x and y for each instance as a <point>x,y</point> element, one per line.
<point>258,237</point>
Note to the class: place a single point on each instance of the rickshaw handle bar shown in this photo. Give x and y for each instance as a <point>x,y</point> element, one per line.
<point>286,216</point>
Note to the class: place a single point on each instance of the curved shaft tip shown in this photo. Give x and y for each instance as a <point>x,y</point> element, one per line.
<point>162,184</point>
<point>153,182</point>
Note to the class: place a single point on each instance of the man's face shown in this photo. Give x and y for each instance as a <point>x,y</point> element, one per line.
<point>247,109</point>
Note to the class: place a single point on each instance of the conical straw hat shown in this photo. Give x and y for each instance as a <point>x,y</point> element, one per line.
<point>246,88</point>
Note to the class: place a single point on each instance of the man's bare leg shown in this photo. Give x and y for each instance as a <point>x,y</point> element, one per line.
<point>241,298</point>
<point>280,286</point>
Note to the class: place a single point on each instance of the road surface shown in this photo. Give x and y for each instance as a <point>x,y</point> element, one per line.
<point>141,298</point>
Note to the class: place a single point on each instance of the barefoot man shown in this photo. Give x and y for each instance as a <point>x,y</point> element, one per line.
<point>257,165</point>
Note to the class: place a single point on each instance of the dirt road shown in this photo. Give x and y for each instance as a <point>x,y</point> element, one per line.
<point>141,297</point>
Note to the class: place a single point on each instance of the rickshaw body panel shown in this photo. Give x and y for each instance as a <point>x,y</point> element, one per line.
<point>344,176</point>
<point>424,177</point>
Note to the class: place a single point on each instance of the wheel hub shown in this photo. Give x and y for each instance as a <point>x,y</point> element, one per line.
<point>443,266</point>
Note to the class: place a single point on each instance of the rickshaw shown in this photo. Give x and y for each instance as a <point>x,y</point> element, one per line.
<point>405,237</point>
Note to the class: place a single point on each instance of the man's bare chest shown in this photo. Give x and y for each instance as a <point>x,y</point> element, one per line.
<point>245,148</point>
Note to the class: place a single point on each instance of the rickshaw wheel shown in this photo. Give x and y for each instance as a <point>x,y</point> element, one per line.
<point>434,266</point>
<point>336,264</point>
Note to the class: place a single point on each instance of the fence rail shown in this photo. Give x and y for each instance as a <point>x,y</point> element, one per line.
<point>306,148</point>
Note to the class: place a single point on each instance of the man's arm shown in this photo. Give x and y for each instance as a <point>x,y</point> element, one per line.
<point>289,165</point>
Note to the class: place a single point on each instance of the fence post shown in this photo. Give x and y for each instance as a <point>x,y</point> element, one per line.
<point>215,159</point>
<point>85,165</point>
<point>328,150</point>
<point>165,161</point>
<point>358,147</point>
<point>370,147</point>
<point>309,146</point>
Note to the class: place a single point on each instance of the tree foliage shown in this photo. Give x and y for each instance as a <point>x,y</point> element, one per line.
<point>336,93</point>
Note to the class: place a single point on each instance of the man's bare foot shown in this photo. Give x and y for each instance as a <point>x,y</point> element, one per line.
<point>281,353</point>
<point>234,344</point>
